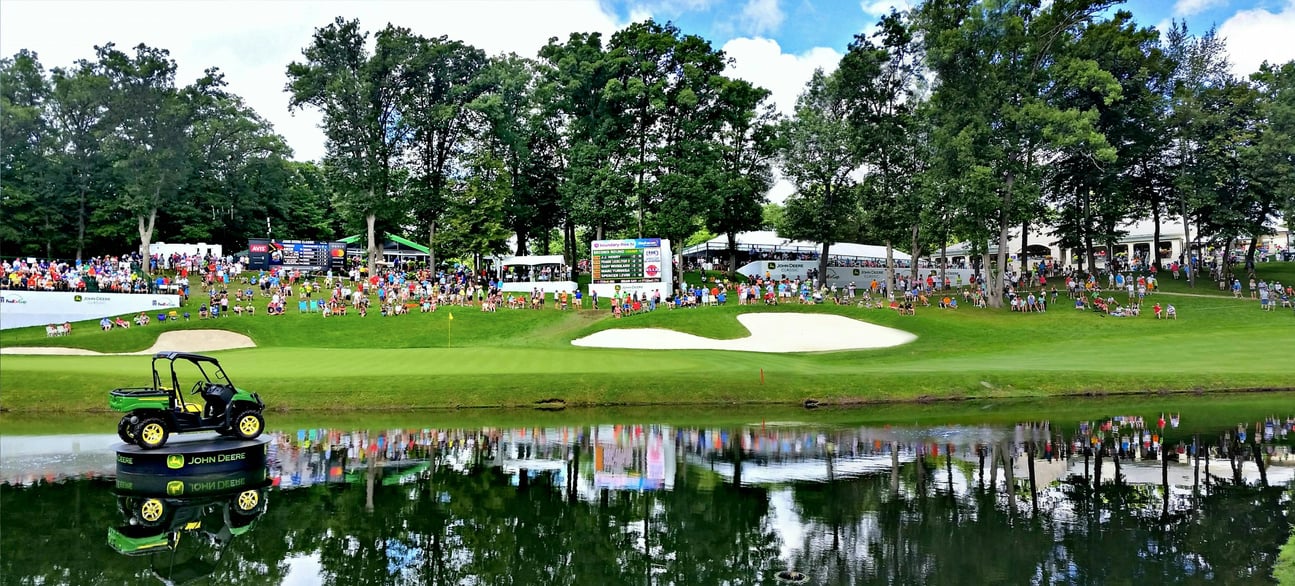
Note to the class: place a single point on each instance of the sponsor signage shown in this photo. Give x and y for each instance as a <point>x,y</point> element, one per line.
<point>20,309</point>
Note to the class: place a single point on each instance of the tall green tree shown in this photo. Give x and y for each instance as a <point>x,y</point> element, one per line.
<point>997,66</point>
<point>817,156</point>
<point>1201,62</point>
<point>748,147</point>
<point>150,120</point>
<point>78,115</point>
<point>29,199</point>
<point>360,95</point>
<point>879,81</point>
<point>443,78</point>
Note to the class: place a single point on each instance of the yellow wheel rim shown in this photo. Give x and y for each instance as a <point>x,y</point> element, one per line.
<point>152,433</point>
<point>151,510</point>
<point>248,499</point>
<point>249,425</point>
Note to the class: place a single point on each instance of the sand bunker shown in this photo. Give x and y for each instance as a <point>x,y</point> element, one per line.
<point>770,332</point>
<point>179,340</point>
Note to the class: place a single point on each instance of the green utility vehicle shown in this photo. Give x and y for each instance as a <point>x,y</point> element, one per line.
<point>156,412</point>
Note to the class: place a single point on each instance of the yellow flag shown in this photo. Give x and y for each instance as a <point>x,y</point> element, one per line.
<point>451,317</point>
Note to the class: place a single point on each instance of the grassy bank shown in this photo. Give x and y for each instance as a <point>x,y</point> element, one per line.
<point>519,358</point>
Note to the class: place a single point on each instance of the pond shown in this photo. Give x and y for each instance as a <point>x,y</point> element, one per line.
<point>966,493</point>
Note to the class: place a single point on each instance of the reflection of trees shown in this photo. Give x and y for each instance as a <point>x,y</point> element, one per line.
<point>933,525</point>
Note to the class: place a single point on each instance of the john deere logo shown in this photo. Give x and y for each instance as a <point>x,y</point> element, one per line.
<point>773,266</point>
<point>77,299</point>
<point>175,461</point>
<point>856,272</point>
<point>174,488</point>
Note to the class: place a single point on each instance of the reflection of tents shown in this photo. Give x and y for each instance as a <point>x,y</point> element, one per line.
<point>394,248</point>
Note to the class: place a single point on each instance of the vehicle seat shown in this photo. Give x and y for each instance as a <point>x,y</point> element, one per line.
<point>191,407</point>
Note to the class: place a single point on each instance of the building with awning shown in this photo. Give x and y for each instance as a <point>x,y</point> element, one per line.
<point>767,244</point>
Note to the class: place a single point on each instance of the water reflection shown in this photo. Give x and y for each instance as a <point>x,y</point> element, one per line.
<point>1038,502</point>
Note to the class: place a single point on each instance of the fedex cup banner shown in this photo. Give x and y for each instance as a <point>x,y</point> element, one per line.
<point>635,265</point>
<point>20,309</point>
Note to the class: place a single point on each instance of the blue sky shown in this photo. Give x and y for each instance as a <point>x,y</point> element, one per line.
<point>776,44</point>
<point>801,25</point>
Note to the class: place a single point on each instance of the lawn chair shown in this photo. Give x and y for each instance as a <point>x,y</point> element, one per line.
<point>302,307</point>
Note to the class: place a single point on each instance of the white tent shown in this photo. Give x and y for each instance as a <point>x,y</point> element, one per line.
<point>530,261</point>
<point>768,241</point>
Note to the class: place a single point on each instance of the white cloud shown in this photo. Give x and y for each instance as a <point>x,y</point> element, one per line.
<point>761,16</point>
<point>762,62</point>
<point>1189,7</point>
<point>1254,36</point>
<point>253,42</point>
<point>878,8</point>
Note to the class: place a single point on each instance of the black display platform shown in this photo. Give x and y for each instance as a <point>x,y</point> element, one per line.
<point>176,486</point>
<point>199,456</point>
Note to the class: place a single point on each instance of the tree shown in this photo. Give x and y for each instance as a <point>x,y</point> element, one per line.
<point>748,145</point>
<point>997,66</point>
<point>360,96</point>
<point>78,114</point>
<point>879,83</point>
<point>443,79</point>
<point>149,118</point>
<point>32,213</point>
<point>817,157</point>
<point>1201,62</point>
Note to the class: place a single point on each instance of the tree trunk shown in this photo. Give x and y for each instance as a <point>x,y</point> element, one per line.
<point>732,255</point>
<point>822,265</point>
<point>431,246</point>
<point>915,251</point>
<point>1250,257</point>
<point>146,235</point>
<point>369,220</point>
<point>890,267</point>
<point>1088,253</point>
<point>996,279</point>
<point>1187,247</point>
<point>1155,234</point>
<point>521,243</point>
<point>80,225</point>
<point>1025,246</point>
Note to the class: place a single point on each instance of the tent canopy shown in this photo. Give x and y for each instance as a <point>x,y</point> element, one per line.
<point>530,261</point>
<point>769,241</point>
<point>391,244</point>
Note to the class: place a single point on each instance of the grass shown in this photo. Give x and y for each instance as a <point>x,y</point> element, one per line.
<point>520,358</point>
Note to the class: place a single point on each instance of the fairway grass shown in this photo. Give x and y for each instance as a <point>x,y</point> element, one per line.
<point>521,358</point>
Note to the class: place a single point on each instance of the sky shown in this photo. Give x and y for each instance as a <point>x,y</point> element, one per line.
<point>776,44</point>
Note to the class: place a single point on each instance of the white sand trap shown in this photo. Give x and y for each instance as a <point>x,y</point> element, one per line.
<point>770,332</point>
<point>179,341</point>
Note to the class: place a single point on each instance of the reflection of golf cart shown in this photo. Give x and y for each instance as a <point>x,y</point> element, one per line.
<point>186,534</point>
<point>152,414</point>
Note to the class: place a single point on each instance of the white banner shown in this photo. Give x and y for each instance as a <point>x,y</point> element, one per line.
<point>842,276</point>
<point>19,309</point>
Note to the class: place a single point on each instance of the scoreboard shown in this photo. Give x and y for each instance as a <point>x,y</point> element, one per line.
<point>306,255</point>
<point>631,265</point>
<point>626,261</point>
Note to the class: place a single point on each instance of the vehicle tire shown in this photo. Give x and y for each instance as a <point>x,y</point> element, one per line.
<point>151,433</point>
<point>247,501</point>
<point>248,424</point>
<point>152,512</point>
<point>124,431</point>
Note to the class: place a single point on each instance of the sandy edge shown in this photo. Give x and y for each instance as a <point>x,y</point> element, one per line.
<point>180,341</point>
<point>770,332</point>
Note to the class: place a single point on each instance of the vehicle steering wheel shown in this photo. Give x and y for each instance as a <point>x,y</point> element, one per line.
<point>198,387</point>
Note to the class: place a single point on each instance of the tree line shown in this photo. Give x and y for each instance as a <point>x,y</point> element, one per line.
<point>960,120</point>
